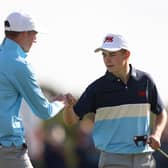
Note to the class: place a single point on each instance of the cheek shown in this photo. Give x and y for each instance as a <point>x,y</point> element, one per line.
<point>30,41</point>
<point>118,60</point>
<point>32,38</point>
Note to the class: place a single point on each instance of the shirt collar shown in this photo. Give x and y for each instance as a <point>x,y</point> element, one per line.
<point>133,74</point>
<point>14,46</point>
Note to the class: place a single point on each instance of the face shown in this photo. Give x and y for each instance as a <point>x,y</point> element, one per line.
<point>28,39</point>
<point>115,62</point>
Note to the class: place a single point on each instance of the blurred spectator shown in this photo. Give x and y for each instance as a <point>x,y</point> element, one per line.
<point>54,151</point>
<point>87,154</point>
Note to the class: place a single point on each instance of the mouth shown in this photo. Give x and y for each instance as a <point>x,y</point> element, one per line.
<point>110,66</point>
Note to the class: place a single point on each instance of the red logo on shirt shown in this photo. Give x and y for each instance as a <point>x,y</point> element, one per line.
<point>142,93</point>
<point>108,39</point>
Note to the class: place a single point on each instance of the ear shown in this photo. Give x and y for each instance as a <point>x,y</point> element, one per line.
<point>127,54</point>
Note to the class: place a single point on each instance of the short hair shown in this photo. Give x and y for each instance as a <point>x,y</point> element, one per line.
<point>10,34</point>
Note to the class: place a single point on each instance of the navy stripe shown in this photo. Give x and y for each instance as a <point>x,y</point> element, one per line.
<point>111,91</point>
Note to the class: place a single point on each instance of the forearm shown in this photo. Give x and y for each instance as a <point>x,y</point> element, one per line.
<point>159,126</point>
<point>69,116</point>
<point>160,123</point>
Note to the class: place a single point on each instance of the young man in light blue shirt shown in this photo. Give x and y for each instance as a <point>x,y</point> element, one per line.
<point>17,82</point>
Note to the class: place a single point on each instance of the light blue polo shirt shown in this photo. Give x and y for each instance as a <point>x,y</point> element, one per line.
<point>17,81</point>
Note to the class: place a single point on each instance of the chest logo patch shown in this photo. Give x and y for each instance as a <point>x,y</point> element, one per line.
<point>141,93</point>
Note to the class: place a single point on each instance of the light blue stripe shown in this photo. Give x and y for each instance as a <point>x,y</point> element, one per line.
<point>116,135</point>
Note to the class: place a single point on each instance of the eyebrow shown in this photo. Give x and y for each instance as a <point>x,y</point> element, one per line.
<point>110,53</point>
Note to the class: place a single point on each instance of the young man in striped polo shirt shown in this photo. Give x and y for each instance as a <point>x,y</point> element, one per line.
<point>122,101</point>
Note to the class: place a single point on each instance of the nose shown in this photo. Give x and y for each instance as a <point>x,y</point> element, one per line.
<point>108,58</point>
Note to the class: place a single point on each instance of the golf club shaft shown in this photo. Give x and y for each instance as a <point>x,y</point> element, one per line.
<point>162,152</point>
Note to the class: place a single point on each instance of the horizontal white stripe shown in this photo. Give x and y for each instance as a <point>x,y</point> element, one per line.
<point>123,111</point>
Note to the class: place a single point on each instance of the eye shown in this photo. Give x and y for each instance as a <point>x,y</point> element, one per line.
<point>113,54</point>
<point>103,54</point>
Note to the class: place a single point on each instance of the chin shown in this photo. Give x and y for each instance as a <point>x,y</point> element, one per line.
<point>26,50</point>
<point>110,70</point>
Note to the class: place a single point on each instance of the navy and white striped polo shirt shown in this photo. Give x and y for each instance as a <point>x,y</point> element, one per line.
<point>122,111</point>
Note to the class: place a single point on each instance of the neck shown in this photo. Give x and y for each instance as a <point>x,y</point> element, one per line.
<point>124,74</point>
